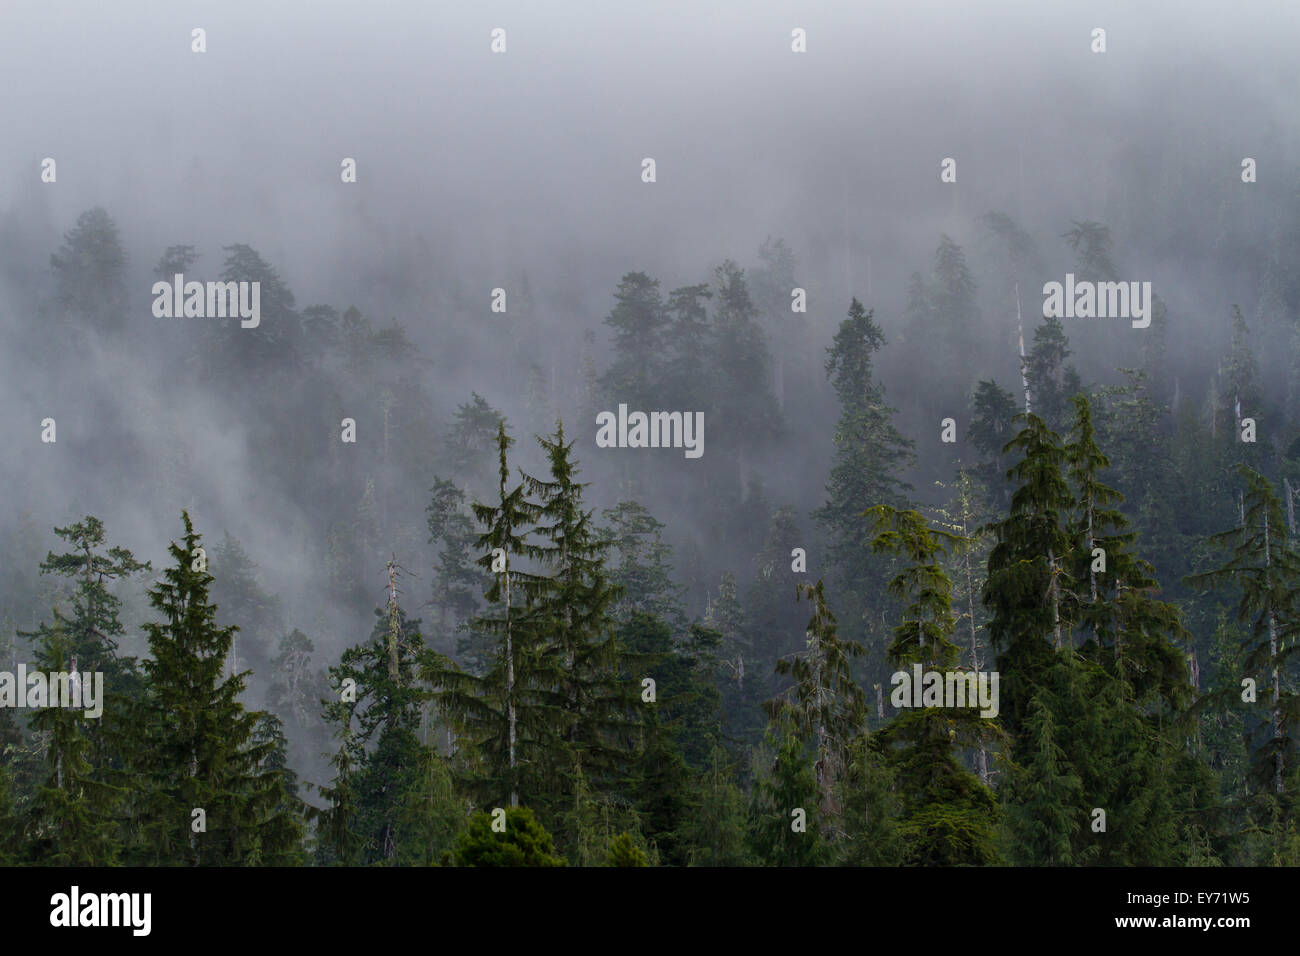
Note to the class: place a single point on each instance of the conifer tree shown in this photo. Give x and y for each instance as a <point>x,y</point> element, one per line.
<point>787,801</point>
<point>574,608</point>
<point>717,832</point>
<point>869,455</point>
<point>457,582</point>
<point>295,688</point>
<point>640,565</point>
<point>523,842</point>
<point>1047,812</point>
<point>686,378</point>
<point>383,770</point>
<point>94,629</point>
<point>866,832</point>
<point>73,812</point>
<point>1051,381</point>
<point>470,443</point>
<point>1114,587</point>
<point>1267,570</point>
<point>639,321</point>
<point>90,274</point>
<point>964,517</point>
<point>826,708</point>
<point>947,813</point>
<point>775,621</point>
<point>190,742</point>
<point>1028,582</point>
<point>510,715</point>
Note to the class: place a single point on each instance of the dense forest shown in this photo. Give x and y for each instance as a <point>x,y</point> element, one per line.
<point>669,460</point>
<point>554,682</point>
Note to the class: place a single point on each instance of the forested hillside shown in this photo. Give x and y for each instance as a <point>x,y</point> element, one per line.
<point>680,521</point>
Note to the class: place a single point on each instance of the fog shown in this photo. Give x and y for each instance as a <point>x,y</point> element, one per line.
<point>522,170</point>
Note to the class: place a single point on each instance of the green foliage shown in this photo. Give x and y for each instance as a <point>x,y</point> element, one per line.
<point>623,851</point>
<point>524,842</point>
<point>191,744</point>
<point>947,814</point>
<point>786,812</point>
<point>1262,563</point>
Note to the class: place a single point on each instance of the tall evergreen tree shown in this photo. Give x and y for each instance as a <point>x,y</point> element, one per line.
<point>1028,582</point>
<point>639,321</point>
<point>1267,570</point>
<point>191,742</point>
<point>574,608</point>
<point>509,715</point>
<point>869,455</point>
<point>73,813</point>
<point>1114,598</point>
<point>825,707</point>
<point>947,813</point>
<point>457,581</point>
<point>90,275</point>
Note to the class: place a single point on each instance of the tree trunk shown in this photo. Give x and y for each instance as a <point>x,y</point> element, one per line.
<point>1056,604</point>
<point>1277,686</point>
<point>510,692</point>
<point>1024,378</point>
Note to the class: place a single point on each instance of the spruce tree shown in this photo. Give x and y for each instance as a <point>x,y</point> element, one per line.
<point>869,455</point>
<point>574,608</point>
<point>1116,609</point>
<point>1028,582</point>
<point>510,716</point>
<point>190,741</point>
